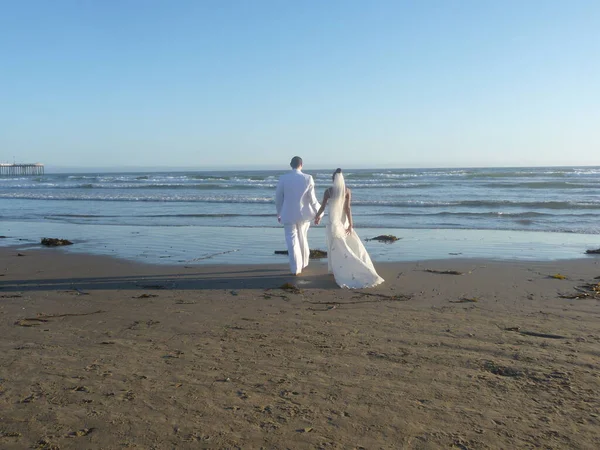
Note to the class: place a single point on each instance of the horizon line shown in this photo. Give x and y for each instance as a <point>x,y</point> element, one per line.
<point>50,168</point>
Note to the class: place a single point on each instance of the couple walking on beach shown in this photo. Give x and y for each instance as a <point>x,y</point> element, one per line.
<point>297,206</point>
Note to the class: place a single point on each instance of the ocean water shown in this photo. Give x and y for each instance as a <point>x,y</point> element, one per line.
<point>229,216</point>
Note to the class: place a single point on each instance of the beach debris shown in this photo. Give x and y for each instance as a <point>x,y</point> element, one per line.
<point>558,276</point>
<point>385,238</point>
<point>46,444</point>
<point>20,254</point>
<point>290,287</point>
<point>381,298</point>
<point>81,389</point>
<point>590,290</point>
<point>79,433</point>
<point>593,287</point>
<point>504,371</point>
<point>212,255</point>
<point>31,398</point>
<point>145,296</point>
<point>577,296</point>
<point>137,324</point>
<point>10,433</point>
<point>175,354</point>
<point>317,254</point>
<point>327,308</point>
<point>462,444</point>
<point>593,252</point>
<point>304,430</point>
<point>535,333</point>
<point>268,294</point>
<point>465,300</point>
<point>167,285</point>
<point>445,272</point>
<point>52,316</point>
<point>392,357</point>
<point>76,291</point>
<point>313,253</point>
<point>42,318</point>
<point>31,322</point>
<point>55,242</point>
<point>128,395</point>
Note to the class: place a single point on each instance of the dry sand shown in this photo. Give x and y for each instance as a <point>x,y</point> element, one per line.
<point>101,353</point>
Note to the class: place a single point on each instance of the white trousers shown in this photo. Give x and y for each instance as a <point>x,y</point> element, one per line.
<point>296,238</point>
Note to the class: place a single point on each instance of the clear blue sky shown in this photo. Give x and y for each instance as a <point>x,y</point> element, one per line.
<point>218,83</point>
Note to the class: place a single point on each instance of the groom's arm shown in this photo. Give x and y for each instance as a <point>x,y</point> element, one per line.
<point>322,208</point>
<point>311,194</point>
<point>279,199</point>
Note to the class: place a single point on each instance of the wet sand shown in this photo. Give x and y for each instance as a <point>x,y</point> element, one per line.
<point>100,353</point>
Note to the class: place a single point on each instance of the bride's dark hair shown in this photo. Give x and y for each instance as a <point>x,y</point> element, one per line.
<point>338,170</point>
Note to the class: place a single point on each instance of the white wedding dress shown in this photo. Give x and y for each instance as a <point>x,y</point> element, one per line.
<point>347,257</point>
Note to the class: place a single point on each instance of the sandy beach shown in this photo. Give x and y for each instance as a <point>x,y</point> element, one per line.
<point>101,353</point>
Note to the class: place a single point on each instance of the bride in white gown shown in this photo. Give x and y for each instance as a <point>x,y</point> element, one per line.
<point>347,257</point>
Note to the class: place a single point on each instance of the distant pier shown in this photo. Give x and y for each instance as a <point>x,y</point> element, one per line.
<point>21,169</point>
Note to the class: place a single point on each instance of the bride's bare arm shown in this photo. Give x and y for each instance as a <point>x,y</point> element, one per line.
<point>322,208</point>
<point>348,210</point>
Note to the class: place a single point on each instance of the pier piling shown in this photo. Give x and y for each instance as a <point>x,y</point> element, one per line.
<point>21,169</point>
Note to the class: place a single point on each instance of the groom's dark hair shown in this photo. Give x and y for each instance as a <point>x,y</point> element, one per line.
<point>296,162</point>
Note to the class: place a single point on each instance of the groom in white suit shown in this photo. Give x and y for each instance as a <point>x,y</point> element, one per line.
<point>297,206</point>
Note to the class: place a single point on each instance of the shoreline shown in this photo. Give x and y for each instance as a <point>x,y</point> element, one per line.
<point>99,352</point>
<point>178,246</point>
<point>53,262</point>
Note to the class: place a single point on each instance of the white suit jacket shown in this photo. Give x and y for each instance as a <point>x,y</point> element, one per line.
<point>295,197</point>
